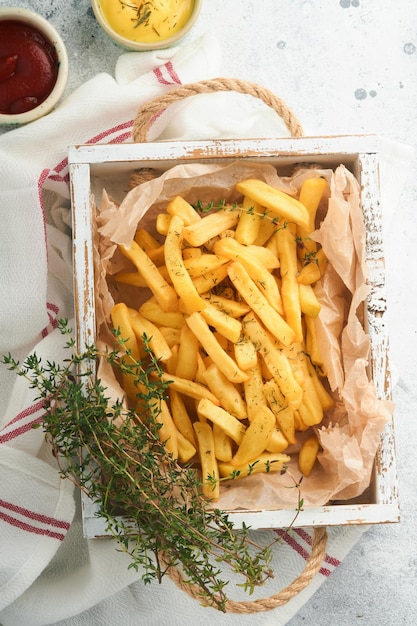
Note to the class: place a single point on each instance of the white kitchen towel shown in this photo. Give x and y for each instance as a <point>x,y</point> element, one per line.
<point>49,573</point>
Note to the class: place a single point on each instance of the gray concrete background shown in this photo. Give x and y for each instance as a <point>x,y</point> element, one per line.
<point>344,67</point>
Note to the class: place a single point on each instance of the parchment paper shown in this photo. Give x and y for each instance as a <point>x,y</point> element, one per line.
<point>350,432</point>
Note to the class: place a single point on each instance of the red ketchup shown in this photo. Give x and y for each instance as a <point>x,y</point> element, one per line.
<point>28,67</point>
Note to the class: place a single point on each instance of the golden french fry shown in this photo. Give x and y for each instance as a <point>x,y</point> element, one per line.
<point>180,278</point>
<point>167,431</point>
<point>275,359</point>
<point>225,324</point>
<point>153,312</point>
<point>216,414</point>
<point>180,416</point>
<point>259,304</point>
<point>122,323</point>
<point>188,388</point>
<point>208,462</point>
<point>187,354</point>
<point>277,443</point>
<point>287,255</point>
<point>284,414</point>
<point>144,328</point>
<point>245,353</point>
<point>256,437</point>
<point>226,392</point>
<point>163,292</point>
<point>171,335</point>
<point>183,209</point>
<point>267,228</point>
<point>312,346</point>
<point>210,279</point>
<point>324,396</point>
<point>308,300</point>
<point>162,223</point>
<point>308,454</point>
<point>145,240</point>
<point>213,348</point>
<point>280,203</point>
<point>311,410</point>
<point>203,263</point>
<point>263,463</point>
<point>247,228</point>
<point>264,255</point>
<point>314,268</point>
<point>254,391</point>
<point>210,226</point>
<point>232,249</point>
<point>186,450</point>
<point>235,308</point>
<point>311,192</point>
<point>223,444</point>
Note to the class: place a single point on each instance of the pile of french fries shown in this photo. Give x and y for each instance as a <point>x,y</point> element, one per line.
<point>230,319</point>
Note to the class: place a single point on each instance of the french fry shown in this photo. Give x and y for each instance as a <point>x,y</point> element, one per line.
<point>162,223</point>
<point>187,354</point>
<point>186,450</point>
<point>312,346</point>
<point>180,278</point>
<point>308,454</point>
<point>264,463</point>
<point>259,304</point>
<point>223,444</point>
<point>153,312</point>
<point>314,268</point>
<point>277,443</point>
<point>245,353</point>
<point>226,392</point>
<point>208,462</point>
<point>281,204</point>
<point>225,324</point>
<point>247,228</point>
<point>171,335</point>
<point>324,396</point>
<point>210,226</point>
<point>203,263</point>
<point>122,323</point>
<point>163,292</point>
<point>145,240</point>
<point>276,361</point>
<point>311,410</point>
<point>217,415</point>
<point>287,255</point>
<point>308,300</point>
<point>235,308</point>
<point>311,192</point>
<point>188,388</point>
<point>210,279</point>
<point>144,328</point>
<point>213,348</point>
<point>167,431</point>
<point>232,249</point>
<point>254,391</point>
<point>183,209</point>
<point>284,414</point>
<point>255,438</point>
<point>181,417</point>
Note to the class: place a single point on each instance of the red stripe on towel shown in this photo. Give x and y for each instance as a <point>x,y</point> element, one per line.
<point>33,516</point>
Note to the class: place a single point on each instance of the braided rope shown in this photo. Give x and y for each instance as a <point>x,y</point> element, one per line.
<point>149,110</point>
<point>318,551</point>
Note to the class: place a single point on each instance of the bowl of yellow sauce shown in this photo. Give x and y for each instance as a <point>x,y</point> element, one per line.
<point>146,25</point>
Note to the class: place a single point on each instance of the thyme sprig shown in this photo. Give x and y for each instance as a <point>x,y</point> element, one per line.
<point>151,505</point>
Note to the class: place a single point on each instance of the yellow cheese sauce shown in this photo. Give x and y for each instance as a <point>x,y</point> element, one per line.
<point>147,22</point>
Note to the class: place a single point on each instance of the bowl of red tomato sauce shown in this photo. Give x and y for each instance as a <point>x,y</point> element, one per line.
<point>33,66</point>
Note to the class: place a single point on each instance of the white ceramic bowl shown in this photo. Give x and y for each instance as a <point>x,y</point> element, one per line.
<point>49,33</point>
<point>138,45</point>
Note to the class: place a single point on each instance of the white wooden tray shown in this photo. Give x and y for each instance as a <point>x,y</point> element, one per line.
<point>110,166</point>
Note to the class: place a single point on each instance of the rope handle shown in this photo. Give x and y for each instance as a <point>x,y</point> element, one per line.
<point>147,112</point>
<point>312,567</point>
